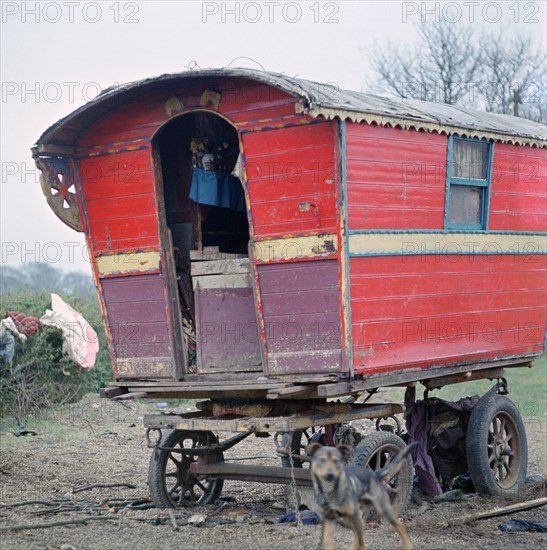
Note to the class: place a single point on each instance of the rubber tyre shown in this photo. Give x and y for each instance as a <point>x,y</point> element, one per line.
<point>160,461</point>
<point>373,452</point>
<point>497,450</point>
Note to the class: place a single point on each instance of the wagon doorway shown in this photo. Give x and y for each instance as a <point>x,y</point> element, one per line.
<point>205,238</point>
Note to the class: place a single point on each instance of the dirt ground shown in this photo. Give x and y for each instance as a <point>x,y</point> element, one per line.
<point>102,442</point>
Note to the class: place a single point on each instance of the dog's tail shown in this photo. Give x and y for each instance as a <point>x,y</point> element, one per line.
<point>392,469</point>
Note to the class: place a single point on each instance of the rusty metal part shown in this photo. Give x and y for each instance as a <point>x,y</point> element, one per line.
<point>379,427</point>
<point>149,443</point>
<point>502,387</point>
<point>280,449</point>
<point>287,456</point>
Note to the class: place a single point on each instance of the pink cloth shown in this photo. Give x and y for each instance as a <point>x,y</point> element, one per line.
<point>80,341</point>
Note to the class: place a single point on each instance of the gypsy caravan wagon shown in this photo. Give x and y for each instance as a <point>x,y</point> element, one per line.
<point>273,245</point>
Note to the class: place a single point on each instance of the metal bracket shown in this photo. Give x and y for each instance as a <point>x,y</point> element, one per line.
<point>283,450</point>
<point>149,442</point>
<point>386,427</point>
<point>502,387</point>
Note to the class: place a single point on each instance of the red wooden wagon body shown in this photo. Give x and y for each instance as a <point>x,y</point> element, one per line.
<point>388,241</point>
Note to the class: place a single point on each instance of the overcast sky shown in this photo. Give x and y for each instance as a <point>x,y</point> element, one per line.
<point>55,56</point>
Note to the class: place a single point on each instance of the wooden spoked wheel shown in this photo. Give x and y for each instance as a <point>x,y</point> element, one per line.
<point>170,481</point>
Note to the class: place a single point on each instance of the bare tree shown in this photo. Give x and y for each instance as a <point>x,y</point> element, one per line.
<point>513,76</point>
<point>439,68</point>
<point>451,65</point>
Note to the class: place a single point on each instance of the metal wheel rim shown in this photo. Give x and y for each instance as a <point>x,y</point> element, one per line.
<point>186,489</point>
<point>504,450</point>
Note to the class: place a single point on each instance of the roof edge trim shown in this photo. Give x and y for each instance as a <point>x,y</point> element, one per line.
<point>416,124</point>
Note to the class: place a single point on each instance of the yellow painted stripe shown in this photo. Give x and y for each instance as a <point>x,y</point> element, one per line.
<point>446,243</point>
<point>295,247</point>
<point>128,262</point>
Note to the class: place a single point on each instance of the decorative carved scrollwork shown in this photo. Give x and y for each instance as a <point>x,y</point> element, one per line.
<point>58,185</point>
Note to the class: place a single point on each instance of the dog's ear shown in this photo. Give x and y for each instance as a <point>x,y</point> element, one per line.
<point>312,449</point>
<point>345,450</point>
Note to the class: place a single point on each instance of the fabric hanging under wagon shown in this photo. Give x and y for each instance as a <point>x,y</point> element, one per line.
<point>217,189</point>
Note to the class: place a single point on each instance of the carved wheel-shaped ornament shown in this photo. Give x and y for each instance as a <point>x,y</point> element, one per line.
<point>57,181</point>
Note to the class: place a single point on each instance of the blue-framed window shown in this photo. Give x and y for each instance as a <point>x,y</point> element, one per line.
<point>468,177</point>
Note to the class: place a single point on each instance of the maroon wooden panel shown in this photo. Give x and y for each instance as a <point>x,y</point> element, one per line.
<point>133,287</point>
<point>227,332</point>
<point>424,310</point>
<point>137,317</point>
<point>396,178</point>
<point>301,312</point>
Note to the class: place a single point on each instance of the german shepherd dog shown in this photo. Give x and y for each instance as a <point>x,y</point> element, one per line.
<point>348,492</point>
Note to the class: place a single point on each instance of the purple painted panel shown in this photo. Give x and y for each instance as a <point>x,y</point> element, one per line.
<point>301,311</point>
<point>138,312</point>
<point>311,300</point>
<point>137,316</point>
<point>298,276</point>
<point>135,333</point>
<point>227,332</point>
<point>151,350</point>
<point>133,287</point>
<point>326,361</point>
<point>309,331</point>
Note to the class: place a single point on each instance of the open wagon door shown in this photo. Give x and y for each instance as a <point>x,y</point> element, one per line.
<point>205,247</point>
<point>292,176</point>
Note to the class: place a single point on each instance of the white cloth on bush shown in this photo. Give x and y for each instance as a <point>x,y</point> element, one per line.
<point>7,323</point>
<point>80,341</point>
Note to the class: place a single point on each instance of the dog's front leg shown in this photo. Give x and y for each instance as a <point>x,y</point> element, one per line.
<point>328,533</point>
<point>357,527</point>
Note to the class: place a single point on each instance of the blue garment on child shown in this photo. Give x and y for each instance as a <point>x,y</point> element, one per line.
<point>217,189</point>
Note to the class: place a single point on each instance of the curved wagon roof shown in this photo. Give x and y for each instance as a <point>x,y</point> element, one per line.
<point>317,100</point>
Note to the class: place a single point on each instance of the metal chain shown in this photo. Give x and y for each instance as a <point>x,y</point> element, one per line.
<point>295,491</point>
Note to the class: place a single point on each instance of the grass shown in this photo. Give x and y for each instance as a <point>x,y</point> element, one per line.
<point>527,389</point>
<point>89,417</point>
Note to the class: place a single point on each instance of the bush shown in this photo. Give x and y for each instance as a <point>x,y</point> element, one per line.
<point>41,375</point>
